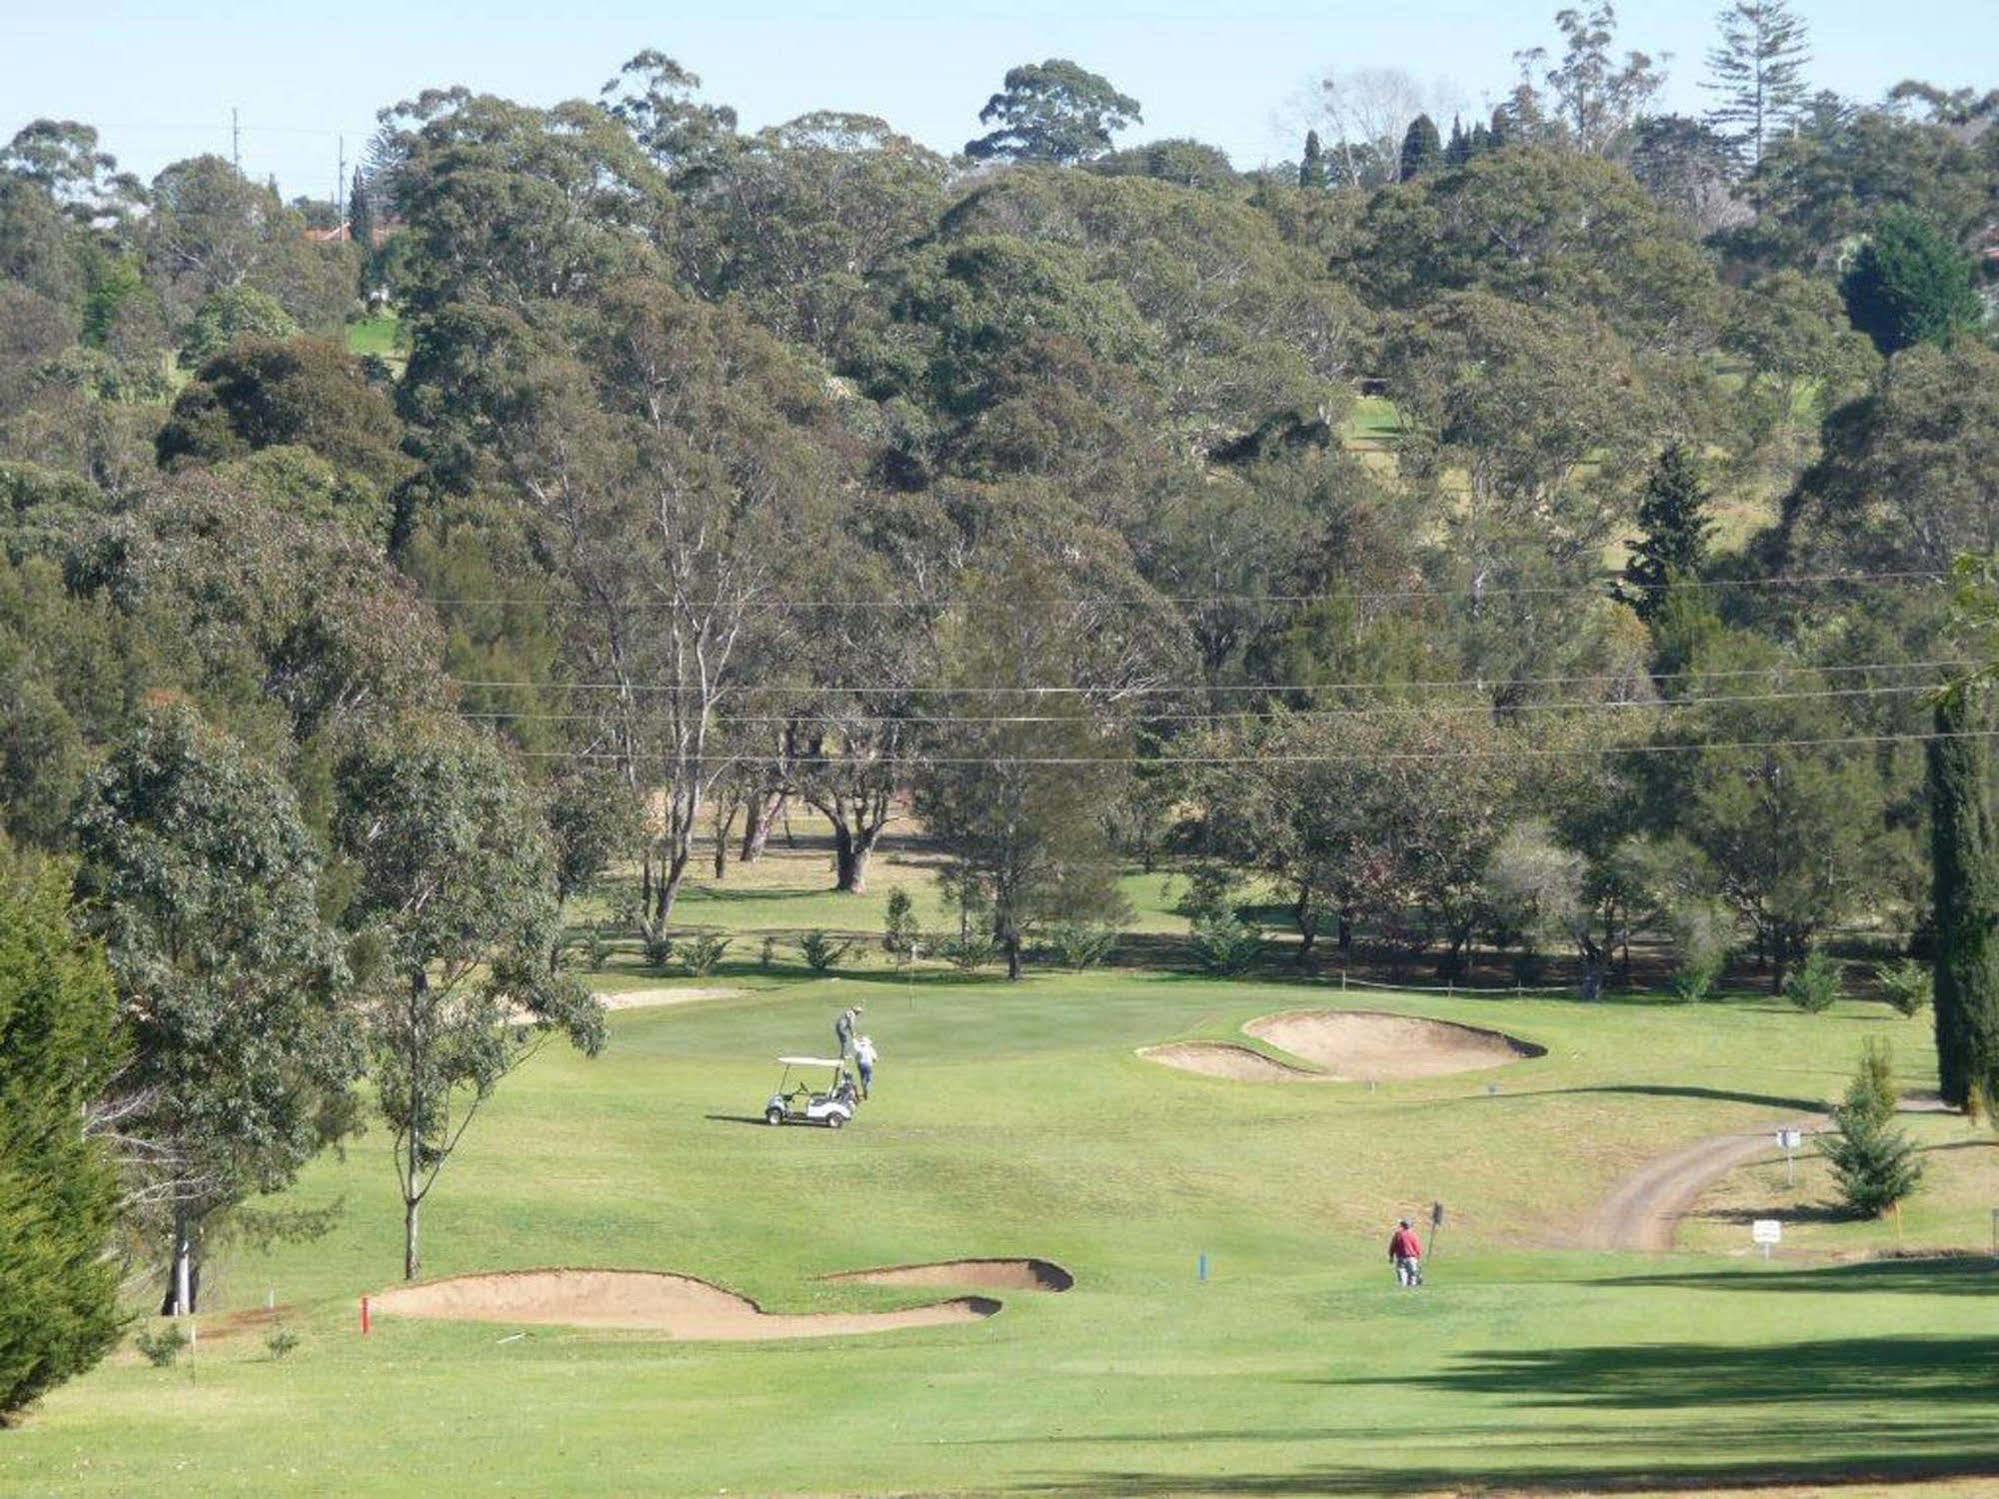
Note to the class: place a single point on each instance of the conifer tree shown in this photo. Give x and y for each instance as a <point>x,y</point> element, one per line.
<point>1874,1163</point>
<point>1757,71</point>
<point>1459,149</point>
<point>1422,148</point>
<point>1910,285</point>
<point>1312,170</point>
<point>1673,517</point>
<point>1966,893</point>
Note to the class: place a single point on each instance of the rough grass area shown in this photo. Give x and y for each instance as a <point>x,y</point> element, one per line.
<point>1018,1120</point>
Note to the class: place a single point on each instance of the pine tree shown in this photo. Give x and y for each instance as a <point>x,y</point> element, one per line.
<point>1910,285</point>
<point>58,1194</point>
<point>1312,171</point>
<point>1422,148</point>
<point>1758,72</point>
<point>1874,1163</point>
<point>361,214</point>
<point>1966,892</point>
<point>1673,517</point>
<point>1459,150</point>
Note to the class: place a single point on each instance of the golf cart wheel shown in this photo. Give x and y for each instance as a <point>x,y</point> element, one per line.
<point>834,1121</point>
<point>773,1115</point>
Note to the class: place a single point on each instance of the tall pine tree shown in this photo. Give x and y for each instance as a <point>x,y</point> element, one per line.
<point>1422,148</point>
<point>1673,517</point>
<point>1312,170</point>
<point>1758,72</point>
<point>1458,150</point>
<point>1966,892</point>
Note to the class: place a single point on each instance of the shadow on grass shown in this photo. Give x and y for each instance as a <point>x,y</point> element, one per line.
<point>1959,1274</point>
<point>1712,1095</point>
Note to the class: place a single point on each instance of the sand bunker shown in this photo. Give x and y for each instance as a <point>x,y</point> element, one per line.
<point>678,1305</point>
<point>644,999</point>
<point>1371,1046</point>
<point>1224,1059</point>
<point>987,1275</point>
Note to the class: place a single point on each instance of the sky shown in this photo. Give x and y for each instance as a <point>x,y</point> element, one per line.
<point>160,80</point>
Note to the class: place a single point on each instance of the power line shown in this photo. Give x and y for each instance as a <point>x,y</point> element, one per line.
<point>1479,684</point>
<point>1510,752</point>
<point>1583,704</point>
<point>1801,580</point>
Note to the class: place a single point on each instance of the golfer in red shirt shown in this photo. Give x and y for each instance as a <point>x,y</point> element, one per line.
<point>1405,1252</point>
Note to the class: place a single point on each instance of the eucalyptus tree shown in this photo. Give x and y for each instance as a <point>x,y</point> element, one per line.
<point>1055,111</point>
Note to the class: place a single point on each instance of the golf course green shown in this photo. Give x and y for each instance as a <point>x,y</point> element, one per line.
<point>1019,1120</point>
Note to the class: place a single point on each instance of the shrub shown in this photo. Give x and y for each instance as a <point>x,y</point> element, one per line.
<point>971,952</point>
<point>1210,894</point>
<point>162,1347</point>
<point>1816,983</point>
<point>1909,985</point>
<point>767,954</point>
<point>1697,977</point>
<point>659,948</point>
<point>900,934</point>
<point>823,953</point>
<point>1082,944</point>
<point>281,1342</point>
<point>1874,1163</point>
<point>1225,944</point>
<point>702,953</point>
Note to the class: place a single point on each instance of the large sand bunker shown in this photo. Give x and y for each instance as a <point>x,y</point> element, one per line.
<point>646,999</point>
<point>987,1275</point>
<point>678,1305</point>
<point>1224,1059</point>
<point>1372,1046</point>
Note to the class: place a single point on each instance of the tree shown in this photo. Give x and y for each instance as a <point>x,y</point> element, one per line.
<point>1672,515</point>
<point>1757,70</point>
<point>200,877</point>
<point>1910,285</point>
<point>232,313</point>
<point>1965,885</point>
<point>1422,149</point>
<point>60,1045</point>
<point>1054,112</point>
<point>1596,97</point>
<point>1688,167</point>
<point>1312,169</point>
<point>454,918</point>
<point>1874,1163</point>
<point>1018,796</point>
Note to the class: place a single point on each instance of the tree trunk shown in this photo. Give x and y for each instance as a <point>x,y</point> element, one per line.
<point>764,812</point>
<point>183,1278</point>
<point>412,1259</point>
<point>725,821</point>
<point>844,873</point>
<point>1780,967</point>
<point>1966,890</point>
<point>1013,955</point>
<point>1346,930</point>
<point>1308,924</point>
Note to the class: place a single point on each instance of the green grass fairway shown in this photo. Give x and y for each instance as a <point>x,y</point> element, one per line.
<point>380,335</point>
<point>1017,1121</point>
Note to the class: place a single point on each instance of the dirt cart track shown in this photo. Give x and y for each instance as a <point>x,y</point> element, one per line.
<point>678,1305</point>
<point>1644,1213</point>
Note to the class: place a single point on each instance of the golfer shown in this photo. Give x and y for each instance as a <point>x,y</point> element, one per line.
<point>843,1027</point>
<point>1405,1253</point>
<point>864,1058</point>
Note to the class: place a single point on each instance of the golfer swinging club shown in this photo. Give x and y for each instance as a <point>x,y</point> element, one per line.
<point>843,1028</point>
<point>1405,1252</point>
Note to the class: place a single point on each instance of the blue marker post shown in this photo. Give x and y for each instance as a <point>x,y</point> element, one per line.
<point>1201,1267</point>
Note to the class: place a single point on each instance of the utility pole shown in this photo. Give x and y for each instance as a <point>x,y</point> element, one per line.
<point>340,186</point>
<point>235,141</point>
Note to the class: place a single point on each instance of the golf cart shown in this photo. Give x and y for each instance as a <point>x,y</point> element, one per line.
<point>797,1102</point>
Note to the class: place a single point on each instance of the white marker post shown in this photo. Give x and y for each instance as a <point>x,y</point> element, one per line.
<point>1789,1140</point>
<point>1766,1231</point>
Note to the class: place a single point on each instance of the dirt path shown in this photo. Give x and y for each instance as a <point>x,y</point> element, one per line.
<point>1644,1212</point>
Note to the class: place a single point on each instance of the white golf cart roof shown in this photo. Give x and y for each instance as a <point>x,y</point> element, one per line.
<point>812,1062</point>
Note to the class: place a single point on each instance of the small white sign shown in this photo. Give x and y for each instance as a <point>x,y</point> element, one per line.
<point>1790,1139</point>
<point>1767,1231</point>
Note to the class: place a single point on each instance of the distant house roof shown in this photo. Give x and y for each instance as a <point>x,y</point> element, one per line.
<point>344,234</point>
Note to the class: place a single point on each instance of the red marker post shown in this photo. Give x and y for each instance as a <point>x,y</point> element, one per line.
<point>366,1324</point>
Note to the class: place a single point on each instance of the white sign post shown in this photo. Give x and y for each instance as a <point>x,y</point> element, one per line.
<point>1766,1231</point>
<point>1789,1140</point>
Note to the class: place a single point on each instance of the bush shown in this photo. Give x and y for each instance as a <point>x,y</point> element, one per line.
<point>1225,944</point>
<point>823,953</point>
<point>1082,944</point>
<point>767,954</point>
<point>702,953</point>
<point>1697,977</point>
<point>1909,985</point>
<point>1874,1163</point>
<point>658,948</point>
<point>1816,983</point>
<point>281,1342</point>
<point>162,1347</point>
<point>971,952</point>
<point>900,934</point>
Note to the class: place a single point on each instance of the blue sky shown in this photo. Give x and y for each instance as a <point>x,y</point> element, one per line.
<point>160,79</point>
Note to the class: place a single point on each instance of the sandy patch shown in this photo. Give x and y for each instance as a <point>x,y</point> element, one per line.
<point>987,1275</point>
<point>642,999</point>
<point>678,1305</point>
<point>1224,1059</point>
<point>1371,1046</point>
